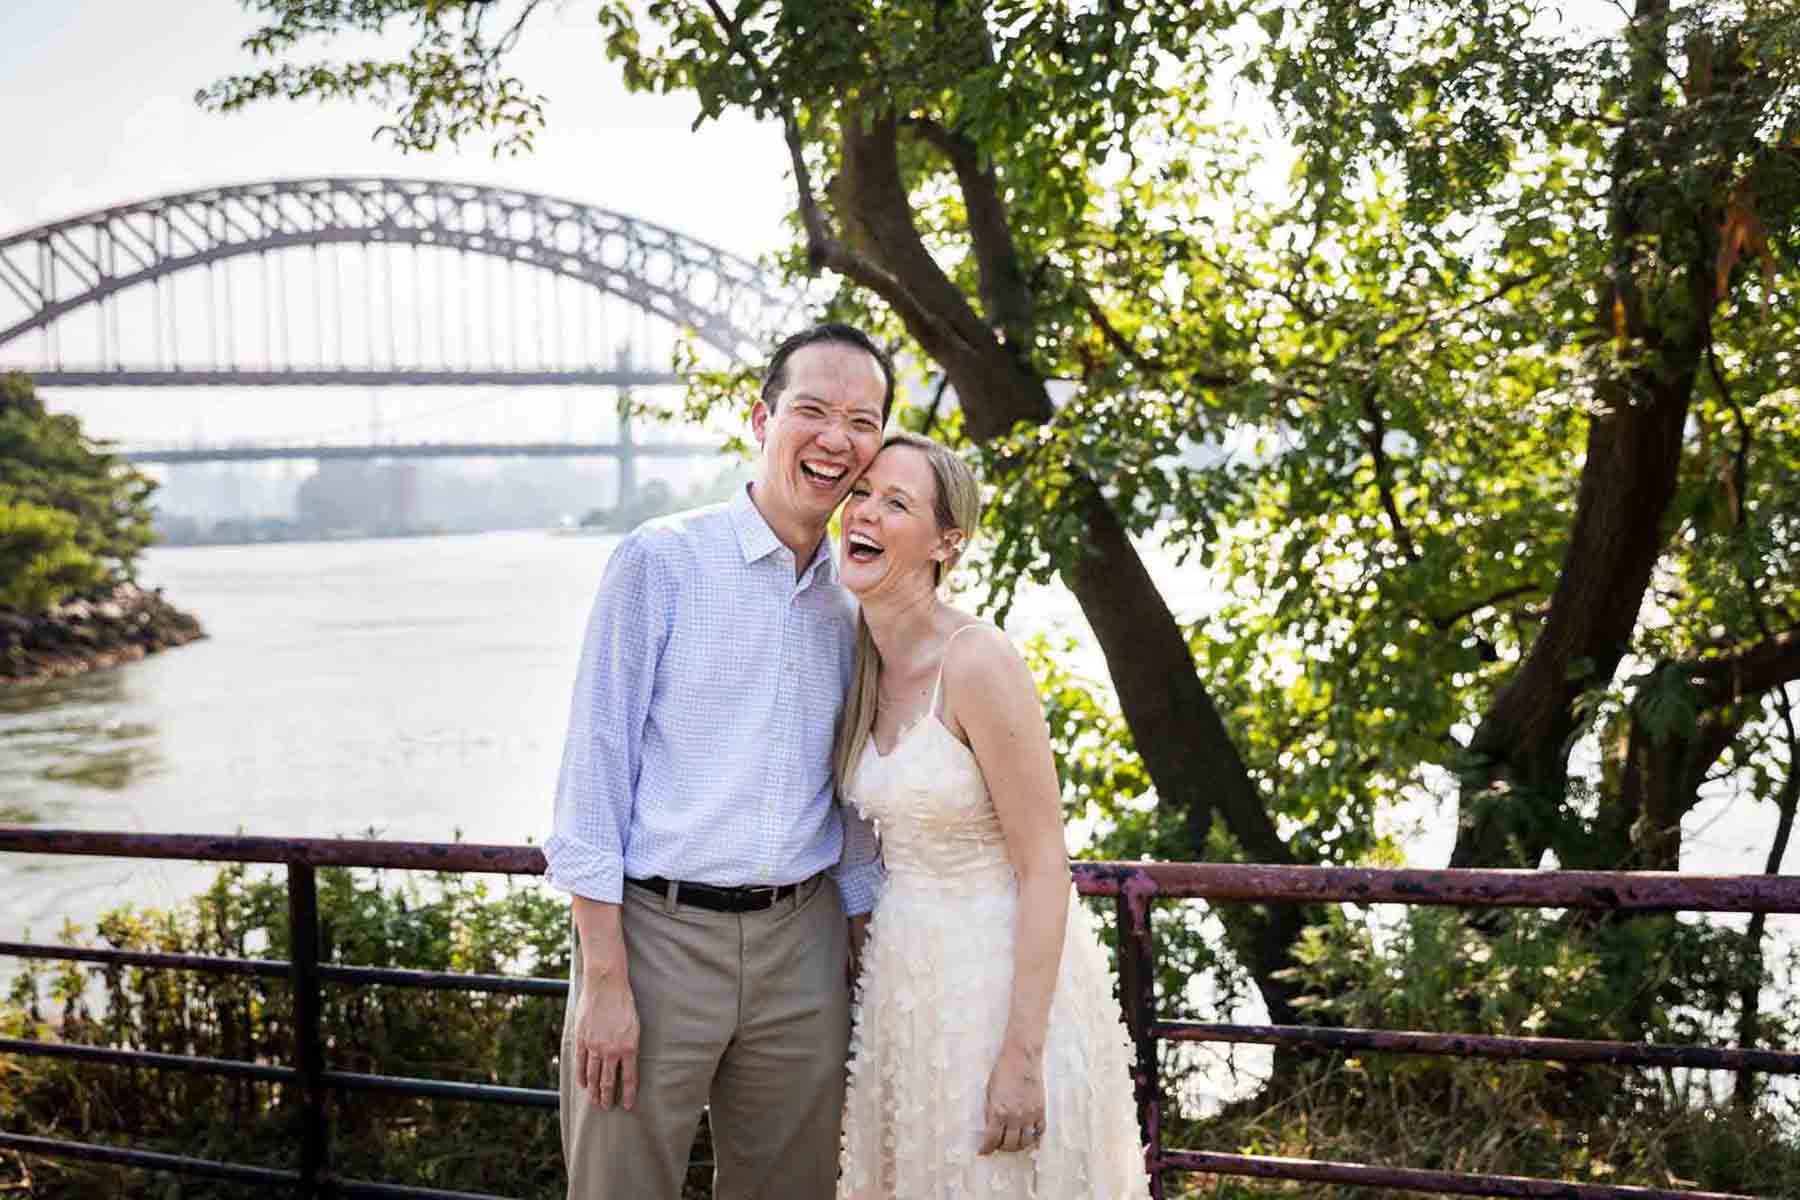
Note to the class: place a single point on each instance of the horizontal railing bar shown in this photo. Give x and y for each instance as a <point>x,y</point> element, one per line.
<point>527,985</point>
<point>153,1160</point>
<point>401,1191</point>
<point>1618,891</point>
<point>1412,1179</point>
<point>440,1089</point>
<point>1612,891</point>
<point>1468,1045</point>
<point>230,1068</point>
<point>363,1187</point>
<point>214,964</point>
<point>315,852</point>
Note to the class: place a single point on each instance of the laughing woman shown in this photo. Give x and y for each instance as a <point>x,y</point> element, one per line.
<point>989,1059</point>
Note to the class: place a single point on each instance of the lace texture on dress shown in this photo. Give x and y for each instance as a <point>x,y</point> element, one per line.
<point>932,1002</point>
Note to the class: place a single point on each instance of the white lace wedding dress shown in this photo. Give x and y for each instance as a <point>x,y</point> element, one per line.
<point>932,1002</point>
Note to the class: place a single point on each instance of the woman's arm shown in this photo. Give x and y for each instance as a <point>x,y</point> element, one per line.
<point>1004,721</point>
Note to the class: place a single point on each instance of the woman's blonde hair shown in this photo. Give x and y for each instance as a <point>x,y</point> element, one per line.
<point>956,506</point>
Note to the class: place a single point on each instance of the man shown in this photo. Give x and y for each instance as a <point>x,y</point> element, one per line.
<point>710,867</point>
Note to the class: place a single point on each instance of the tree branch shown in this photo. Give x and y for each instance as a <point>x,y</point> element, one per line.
<point>1444,623</point>
<point>871,198</point>
<point>510,38</point>
<point>1505,285</point>
<point>824,250</point>
<point>1384,482</point>
<point>1750,995</point>
<point>1005,294</point>
<point>937,399</point>
<point>1747,671</point>
<point>1740,462</point>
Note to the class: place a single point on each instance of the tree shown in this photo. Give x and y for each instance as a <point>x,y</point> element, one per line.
<point>1498,401</point>
<point>72,516</point>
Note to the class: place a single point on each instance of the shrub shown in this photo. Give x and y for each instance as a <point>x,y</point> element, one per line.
<point>441,923</point>
<point>40,561</point>
<point>1522,973</point>
<point>47,462</point>
<point>1525,973</point>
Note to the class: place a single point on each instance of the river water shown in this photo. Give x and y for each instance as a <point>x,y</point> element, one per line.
<point>411,688</point>
<point>414,688</point>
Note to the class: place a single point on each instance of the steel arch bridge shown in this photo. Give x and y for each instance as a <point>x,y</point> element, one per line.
<point>91,261</point>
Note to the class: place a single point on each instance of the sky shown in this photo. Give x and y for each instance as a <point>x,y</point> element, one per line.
<point>120,76</point>
<point>113,84</point>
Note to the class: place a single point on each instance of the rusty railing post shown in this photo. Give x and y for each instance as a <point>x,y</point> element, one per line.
<point>309,1054</point>
<point>1137,989</point>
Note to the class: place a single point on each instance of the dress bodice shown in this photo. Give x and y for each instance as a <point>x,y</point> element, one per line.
<point>931,805</point>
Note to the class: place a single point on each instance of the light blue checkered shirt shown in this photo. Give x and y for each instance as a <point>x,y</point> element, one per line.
<point>699,743</point>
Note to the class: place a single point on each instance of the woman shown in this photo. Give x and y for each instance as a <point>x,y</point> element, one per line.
<point>989,1060</point>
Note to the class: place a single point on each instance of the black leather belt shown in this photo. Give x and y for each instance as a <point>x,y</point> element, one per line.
<point>718,899</point>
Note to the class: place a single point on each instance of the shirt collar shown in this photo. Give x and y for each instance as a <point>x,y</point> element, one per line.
<point>757,540</point>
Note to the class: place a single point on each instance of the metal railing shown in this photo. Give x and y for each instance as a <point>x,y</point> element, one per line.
<point>1133,887</point>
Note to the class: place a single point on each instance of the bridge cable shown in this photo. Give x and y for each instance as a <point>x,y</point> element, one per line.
<point>393,326</point>
<point>212,315</point>
<point>268,307</point>
<point>418,310</point>
<point>225,266</point>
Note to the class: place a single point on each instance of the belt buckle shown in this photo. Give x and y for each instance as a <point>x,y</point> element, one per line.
<point>772,890</point>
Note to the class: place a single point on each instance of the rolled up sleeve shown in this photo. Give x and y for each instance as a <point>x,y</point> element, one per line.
<point>858,873</point>
<point>602,753</point>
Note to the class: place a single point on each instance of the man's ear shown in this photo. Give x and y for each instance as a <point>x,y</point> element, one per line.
<point>759,421</point>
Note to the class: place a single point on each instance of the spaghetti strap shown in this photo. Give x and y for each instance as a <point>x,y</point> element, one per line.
<point>938,687</point>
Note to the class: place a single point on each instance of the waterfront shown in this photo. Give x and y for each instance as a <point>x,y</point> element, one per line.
<point>410,688</point>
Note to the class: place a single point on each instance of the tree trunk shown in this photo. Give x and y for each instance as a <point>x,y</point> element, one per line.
<point>1513,787</point>
<point>1658,783</point>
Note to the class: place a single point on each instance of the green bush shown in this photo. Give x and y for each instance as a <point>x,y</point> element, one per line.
<point>444,923</point>
<point>1525,973</point>
<point>47,463</point>
<point>40,562</point>
<point>1521,973</point>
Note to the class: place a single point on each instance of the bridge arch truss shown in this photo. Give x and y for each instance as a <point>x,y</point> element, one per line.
<point>85,262</point>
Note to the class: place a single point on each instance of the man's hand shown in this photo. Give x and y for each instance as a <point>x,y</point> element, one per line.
<point>606,1023</point>
<point>606,1041</point>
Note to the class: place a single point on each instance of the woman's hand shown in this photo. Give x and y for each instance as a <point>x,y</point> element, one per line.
<point>1015,1102</point>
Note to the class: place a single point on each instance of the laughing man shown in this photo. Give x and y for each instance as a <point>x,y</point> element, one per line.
<point>710,868</point>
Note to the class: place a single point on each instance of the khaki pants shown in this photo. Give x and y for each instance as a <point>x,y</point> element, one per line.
<point>746,1012</point>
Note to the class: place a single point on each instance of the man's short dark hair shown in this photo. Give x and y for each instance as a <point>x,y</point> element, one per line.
<point>775,374</point>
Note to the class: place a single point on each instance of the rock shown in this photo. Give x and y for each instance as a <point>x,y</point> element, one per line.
<point>91,632</point>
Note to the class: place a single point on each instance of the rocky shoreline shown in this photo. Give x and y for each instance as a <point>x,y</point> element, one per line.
<point>116,627</point>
